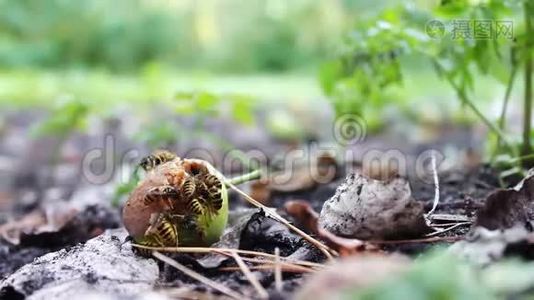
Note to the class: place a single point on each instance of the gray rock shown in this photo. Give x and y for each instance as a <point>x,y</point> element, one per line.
<point>483,246</point>
<point>101,266</point>
<point>365,208</point>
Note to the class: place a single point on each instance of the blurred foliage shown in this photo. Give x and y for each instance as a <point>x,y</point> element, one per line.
<point>161,134</point>
<point>371,58</point>
<point>283,126</point>
<point>106,91</point>
<point>124,189</point>
<point>439,275</point>
<point>205,104</point>
<point>67,116</point>
<point>123,35</point>
<point>376,54</point>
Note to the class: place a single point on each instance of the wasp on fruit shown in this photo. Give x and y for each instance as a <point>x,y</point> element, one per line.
<point>178,203</point>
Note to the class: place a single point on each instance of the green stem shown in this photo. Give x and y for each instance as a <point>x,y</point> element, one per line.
<point>527,111</point>
<point>507,93</point>
<point>521,158</point>
<point>466,101</point>
<point>246,177</point>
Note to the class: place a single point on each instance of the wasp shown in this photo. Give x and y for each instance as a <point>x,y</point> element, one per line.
<point>158,157</point>
<point>178,203</point>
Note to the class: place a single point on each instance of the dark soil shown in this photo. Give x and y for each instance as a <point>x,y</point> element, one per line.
<point>35,179</point>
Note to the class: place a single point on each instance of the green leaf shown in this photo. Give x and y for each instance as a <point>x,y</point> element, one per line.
<point>67,117</point>
<point>329,73</point>
<point>242,111</point>
<point>206,101</point>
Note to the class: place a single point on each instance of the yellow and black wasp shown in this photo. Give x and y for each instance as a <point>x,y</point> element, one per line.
<point>179,202</point>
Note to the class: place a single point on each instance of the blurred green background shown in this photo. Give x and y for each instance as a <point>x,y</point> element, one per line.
<point>372,58</point>
<point>144,49</point>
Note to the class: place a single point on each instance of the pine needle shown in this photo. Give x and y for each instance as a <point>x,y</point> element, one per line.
<point>268,261</point>
<point>268,267</point>
<point>224,250</point>
<point>277,270</point>
<point>269,211</point>
<point>250,277</point>
<point>215,285</point>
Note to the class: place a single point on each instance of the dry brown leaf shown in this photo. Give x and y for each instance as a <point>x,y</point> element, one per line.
<point>12,230</point>
<point>260,191</point>
<point>305,176</point>
<point>37,222</point>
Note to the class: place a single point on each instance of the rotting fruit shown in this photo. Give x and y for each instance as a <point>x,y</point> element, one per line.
<point>179,202</point>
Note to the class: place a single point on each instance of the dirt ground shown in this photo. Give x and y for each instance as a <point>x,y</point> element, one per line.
<point>47,205</point>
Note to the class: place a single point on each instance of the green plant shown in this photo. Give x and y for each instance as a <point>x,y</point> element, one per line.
<point>204,104</point>
<point>377,53</point>
<point>440,275</point>
<point>69,115</point>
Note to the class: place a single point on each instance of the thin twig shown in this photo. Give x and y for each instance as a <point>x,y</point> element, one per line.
<point>268,261</point>
<point>436,186</point>
<point>218,250</point>
<point>215,285</point>
<point>449,224</point>
<point>267,267</point>
<point>277,270</point>
<point>450,217</point>
<point>440,231</point>
<point>250,277</point>
<point>269,211</point>
<point>424,240</point>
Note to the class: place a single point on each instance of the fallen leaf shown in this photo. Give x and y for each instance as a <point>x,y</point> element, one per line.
<point>12,230</point>
<point>59,227</point>
<point>305,175</point>
<point>260,191</point>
